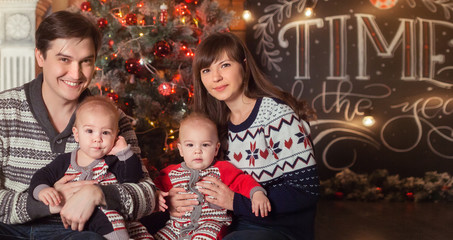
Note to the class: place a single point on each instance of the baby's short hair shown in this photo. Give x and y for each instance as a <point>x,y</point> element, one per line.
<point>197,115</point>
<point>99,101</point>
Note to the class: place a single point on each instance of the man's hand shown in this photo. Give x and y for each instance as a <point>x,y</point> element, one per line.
<point>162,205</point>
<point>79,208</point>
<point>181,202</point>
<point>67,188</point>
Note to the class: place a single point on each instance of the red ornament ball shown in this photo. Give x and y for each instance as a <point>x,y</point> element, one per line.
<point>102,23</point>
<point>113,96</point>
<point>133,65</point>
<point>85,6</point>
<point>189,1</point>
<point>131,19</point>
<point>162,49</point>
<point>384,4</point>
<point>339,195</point>
<point>185,51</point>
<point>164,89</point>
<point>410,196</point>
<point>111,42</point>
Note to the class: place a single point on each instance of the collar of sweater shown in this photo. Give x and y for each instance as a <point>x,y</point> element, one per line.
<point>33,92</point>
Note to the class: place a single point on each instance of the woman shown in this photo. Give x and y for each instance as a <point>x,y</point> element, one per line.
<point>264,133</point>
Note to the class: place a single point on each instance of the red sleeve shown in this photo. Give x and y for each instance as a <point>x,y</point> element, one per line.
<point>235,178</point>
<point>163,181</point>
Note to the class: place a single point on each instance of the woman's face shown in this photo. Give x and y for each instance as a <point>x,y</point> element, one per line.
<point>223,79</point>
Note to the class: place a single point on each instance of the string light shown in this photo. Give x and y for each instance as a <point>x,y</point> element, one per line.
<point>308,12</point>
<point>309,7</point>
<point>368,119</point>
<point>246,15</point>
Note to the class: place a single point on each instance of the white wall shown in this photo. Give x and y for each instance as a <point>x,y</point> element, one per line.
<point>17,28</point>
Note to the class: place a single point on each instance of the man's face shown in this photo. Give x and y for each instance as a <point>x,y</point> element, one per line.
<point>67,68</point>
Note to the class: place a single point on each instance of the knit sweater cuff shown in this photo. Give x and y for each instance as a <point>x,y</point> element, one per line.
<point>38,189</point>
<point>256,189</point>
<point>111,195</point>
<point>36,209</point>
<point>125,154</point>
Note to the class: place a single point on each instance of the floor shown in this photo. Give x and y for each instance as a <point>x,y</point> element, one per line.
<point>351,220</point>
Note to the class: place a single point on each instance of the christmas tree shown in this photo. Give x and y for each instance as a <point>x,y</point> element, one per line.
<point>145,62</point>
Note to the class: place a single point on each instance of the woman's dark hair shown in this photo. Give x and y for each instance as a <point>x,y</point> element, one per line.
<point>64,24</point>
<point>255,84</point>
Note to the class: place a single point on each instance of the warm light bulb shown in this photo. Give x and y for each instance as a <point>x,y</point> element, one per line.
<point>368,121</point>
<point>246,15</point>
<point>308,12</point>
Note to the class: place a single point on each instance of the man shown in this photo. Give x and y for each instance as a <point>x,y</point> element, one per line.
<point>36,122</point>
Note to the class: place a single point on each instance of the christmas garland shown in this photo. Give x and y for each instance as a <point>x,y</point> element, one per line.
<point>379,185</point>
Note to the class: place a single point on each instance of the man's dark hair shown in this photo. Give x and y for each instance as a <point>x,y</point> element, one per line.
<point>64,24</point>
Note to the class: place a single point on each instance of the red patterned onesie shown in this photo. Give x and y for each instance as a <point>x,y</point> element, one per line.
<point>206,220</point>
<point>124,167</point>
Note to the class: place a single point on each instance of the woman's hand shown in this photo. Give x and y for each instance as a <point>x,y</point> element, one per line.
<point>180,202</point>
<point>216,192</point>
<point>79,208</point>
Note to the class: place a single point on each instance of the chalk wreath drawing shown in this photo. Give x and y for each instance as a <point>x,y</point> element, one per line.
<point>269,57</point>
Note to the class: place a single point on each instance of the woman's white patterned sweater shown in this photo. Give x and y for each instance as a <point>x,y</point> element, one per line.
<point>273,145</point>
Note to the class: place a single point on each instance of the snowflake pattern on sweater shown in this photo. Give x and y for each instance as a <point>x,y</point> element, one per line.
<point>273,145</point>
<point>276,141</point>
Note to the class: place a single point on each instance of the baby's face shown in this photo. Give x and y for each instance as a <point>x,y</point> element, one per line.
<point>198,143</point>
<point>96,132</point>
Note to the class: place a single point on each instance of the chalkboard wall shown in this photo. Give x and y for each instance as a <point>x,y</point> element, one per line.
<point>391,59</point>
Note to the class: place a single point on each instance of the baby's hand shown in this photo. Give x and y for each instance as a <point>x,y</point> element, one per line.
<point>260,203</point>
<point>120,145</point>
<point>162,203</point>
<point>50,196</point>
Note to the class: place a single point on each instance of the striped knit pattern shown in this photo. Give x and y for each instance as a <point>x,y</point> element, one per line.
<point>274,144</point>
<point>25,148</point>
<point>203,223</point>
<point>137,231</point>
<point>100,172</point>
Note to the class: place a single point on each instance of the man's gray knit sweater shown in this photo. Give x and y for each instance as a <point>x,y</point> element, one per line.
<point>28,142</point>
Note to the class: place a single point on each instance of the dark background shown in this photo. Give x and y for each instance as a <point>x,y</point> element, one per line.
<point>413,131</point>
